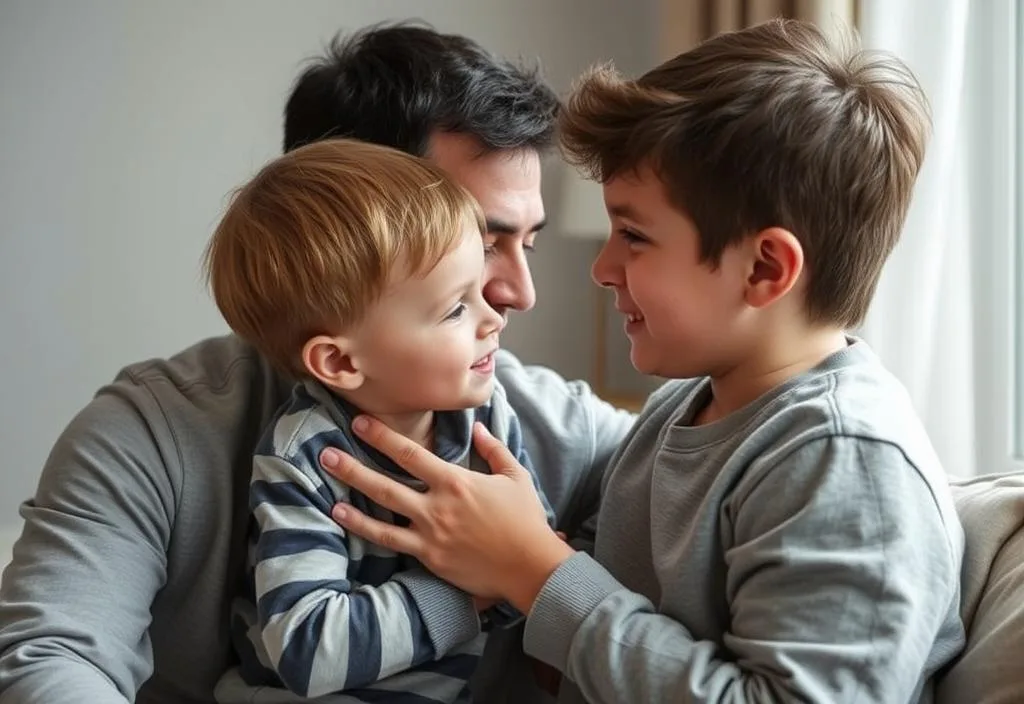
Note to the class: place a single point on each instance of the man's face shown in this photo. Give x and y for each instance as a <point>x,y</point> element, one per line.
<point>507,186</point>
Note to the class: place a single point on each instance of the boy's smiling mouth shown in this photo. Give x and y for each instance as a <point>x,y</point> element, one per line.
<point>485,364</point>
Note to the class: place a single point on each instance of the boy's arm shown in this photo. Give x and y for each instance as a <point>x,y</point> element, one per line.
<point>323,633</point>
<point>839,580</point>
<point>75,600</point>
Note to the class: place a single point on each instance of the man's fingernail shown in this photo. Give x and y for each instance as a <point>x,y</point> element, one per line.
<point>329,459</point>
<point>360,424</point>
<point>340,512</point>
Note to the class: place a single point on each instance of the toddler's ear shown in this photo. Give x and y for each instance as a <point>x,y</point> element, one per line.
<point>328,360</point>
<point>776,262</point>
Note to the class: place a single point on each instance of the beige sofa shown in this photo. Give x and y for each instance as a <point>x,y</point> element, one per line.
<point>991,668</point>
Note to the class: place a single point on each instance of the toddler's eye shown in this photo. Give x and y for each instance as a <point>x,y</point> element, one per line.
<point>456,312</point>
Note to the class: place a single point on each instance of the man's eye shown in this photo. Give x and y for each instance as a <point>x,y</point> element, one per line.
<point>489,250</point>
<point>456,312</point>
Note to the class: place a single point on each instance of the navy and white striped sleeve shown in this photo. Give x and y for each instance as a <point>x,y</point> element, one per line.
<point>321,632</point>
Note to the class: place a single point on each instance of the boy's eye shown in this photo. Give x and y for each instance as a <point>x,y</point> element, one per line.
<point>456,312</point>
<point>631,237</point>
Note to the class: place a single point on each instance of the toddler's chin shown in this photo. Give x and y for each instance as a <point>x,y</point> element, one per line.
<point>480,394</point>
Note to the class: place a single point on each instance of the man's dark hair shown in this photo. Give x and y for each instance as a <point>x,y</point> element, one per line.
<point>396,84</point>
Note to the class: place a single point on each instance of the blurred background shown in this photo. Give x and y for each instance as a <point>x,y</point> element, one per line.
<point>124,125</point>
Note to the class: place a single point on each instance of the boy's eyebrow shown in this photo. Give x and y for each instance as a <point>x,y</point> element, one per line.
<point>501,227</point>
<point>625,210</point>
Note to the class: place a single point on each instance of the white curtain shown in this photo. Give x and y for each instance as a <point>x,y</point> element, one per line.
<point>930,321</point>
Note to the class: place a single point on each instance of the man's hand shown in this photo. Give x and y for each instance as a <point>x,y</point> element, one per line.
<point>484,533</point>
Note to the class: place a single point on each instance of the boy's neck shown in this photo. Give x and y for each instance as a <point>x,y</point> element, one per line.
<point>774,362</point>
<point>417,426</point>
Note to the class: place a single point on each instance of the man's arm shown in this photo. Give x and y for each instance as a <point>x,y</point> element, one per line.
<point>311,611</point>
<point>840,579</point>
<point>569,433</point>
<point>75,600</point>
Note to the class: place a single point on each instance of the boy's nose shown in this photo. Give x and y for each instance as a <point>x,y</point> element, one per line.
<point>605,271</point>
<point>492,322</point>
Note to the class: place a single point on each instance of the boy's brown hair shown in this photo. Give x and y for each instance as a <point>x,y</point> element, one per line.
<point>771,126</point>
<point>311,242</point>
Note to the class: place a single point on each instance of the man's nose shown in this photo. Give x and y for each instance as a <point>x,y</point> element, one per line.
<point>511,285</point>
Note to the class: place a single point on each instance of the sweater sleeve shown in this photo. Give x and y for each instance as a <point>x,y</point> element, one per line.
<point>100,519</point>
<point>323,632</point>
<point>518,448</point>
<point>569,432</point>
<point>837,582</point>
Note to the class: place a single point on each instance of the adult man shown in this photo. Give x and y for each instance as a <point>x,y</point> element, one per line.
<point>132,546</point>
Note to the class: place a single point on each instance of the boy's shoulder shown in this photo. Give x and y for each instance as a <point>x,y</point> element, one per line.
<point>851,406</point>
<point>311,419</point>
<point>305,418</point>
<point>851,395</point>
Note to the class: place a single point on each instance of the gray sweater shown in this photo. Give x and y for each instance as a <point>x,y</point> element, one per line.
<point>804,548</point>
<point>134,542</point>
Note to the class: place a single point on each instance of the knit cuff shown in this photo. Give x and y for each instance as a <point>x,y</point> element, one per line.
<point>569,596</point>
<point>448,612</point>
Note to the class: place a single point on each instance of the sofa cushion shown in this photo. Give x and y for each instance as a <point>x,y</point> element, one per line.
<point>990,669</point>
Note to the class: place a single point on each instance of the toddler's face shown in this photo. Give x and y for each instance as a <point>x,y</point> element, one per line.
<point>429,342</point>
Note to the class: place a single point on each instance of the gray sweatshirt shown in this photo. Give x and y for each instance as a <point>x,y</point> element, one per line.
<point>804,548</point>
<point>134,543</point>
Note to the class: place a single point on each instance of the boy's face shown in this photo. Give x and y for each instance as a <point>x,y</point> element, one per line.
<point>682,316</point>
<point>428,343</point>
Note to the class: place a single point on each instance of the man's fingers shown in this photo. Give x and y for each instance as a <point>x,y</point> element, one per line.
<point>386,535</point>
<point>375,486</point>
<point>494,452</point>
<point>408,455</point>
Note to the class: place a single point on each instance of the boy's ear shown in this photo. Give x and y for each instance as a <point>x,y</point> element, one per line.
<point>330,361</point>
<point>776,262</point>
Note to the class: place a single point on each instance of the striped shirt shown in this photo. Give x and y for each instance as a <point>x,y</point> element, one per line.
<point>324,611</point>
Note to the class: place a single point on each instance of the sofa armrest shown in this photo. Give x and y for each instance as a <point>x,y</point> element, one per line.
<point>988,671</point>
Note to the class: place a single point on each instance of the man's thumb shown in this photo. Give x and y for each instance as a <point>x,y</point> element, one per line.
<point>494,452</point>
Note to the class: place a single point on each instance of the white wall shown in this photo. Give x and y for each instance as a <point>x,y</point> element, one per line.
<point>123,125</point>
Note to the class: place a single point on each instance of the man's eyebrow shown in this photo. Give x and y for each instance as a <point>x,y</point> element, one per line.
<point>501,227</point>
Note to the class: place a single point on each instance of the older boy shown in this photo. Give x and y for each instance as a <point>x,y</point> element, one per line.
<point>776,526</point>
<point>356,269</point>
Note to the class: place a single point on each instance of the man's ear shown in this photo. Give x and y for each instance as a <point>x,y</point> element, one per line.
<point>776,260</point>
<point>330,361</point>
